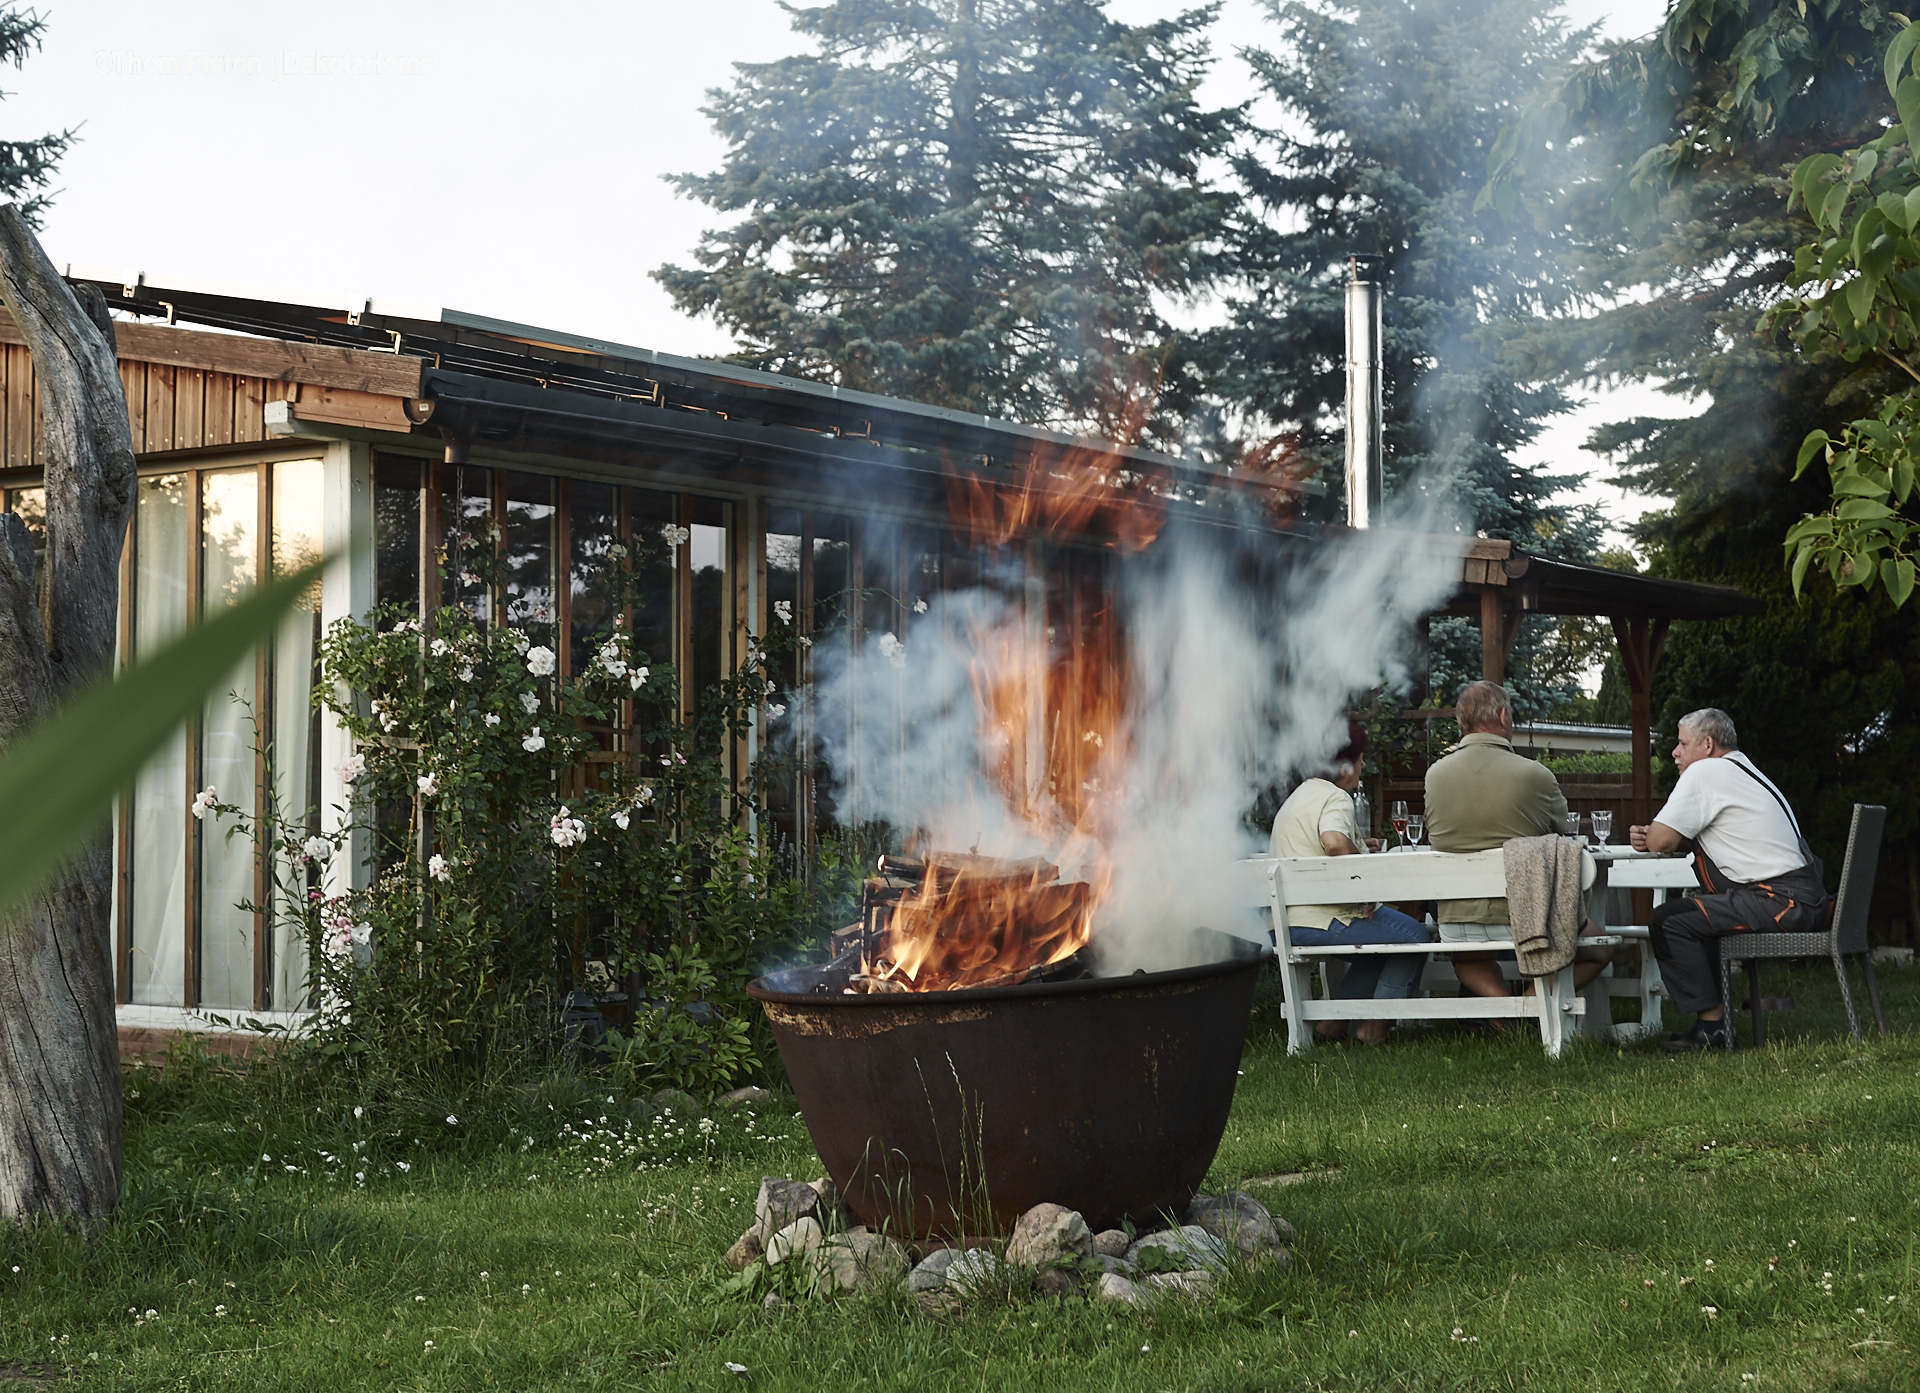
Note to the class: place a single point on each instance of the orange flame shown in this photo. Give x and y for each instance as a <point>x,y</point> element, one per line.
<point>1048,683</point>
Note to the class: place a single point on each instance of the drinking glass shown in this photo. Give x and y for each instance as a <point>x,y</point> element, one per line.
<point>1397,815</point>
<point>1573,825</point>
<point>1362,817</point>
<point>1416,828</point>
<point>1602,825</point>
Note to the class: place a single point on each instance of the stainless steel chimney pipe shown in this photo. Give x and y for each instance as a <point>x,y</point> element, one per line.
<point>1365,407</point>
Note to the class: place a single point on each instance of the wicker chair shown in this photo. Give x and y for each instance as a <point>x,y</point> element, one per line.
<point>1846,934</point>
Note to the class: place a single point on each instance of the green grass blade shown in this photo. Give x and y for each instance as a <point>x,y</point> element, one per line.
<point>58,781</point>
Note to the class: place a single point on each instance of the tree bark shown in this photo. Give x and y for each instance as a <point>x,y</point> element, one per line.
<point>60,1105</point>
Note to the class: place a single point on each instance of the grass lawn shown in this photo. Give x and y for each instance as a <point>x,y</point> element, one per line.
<point>1473,1216</point>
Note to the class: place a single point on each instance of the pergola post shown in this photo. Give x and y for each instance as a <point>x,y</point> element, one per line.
<point>1498,629</point>
<point>1640,642</point>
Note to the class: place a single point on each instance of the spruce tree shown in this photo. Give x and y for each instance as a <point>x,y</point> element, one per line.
<point>1390,109</point>
<point>972,203</point>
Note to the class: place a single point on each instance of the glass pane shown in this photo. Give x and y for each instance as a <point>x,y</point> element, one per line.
<point>230,544</point>
<point>396,531</point>
<point>530,521</point>
<point>164,551</point>
<point>593,517</point>
<point>784,540</point>
<point>466,513</point>
<point>834,600</point>
<point>296,723</point>
<point>649,515</point>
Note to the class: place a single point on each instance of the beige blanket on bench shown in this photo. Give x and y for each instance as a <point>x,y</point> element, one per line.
<point>1544,904</point>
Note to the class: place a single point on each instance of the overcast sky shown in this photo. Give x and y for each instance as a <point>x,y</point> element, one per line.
<point>491,157</point>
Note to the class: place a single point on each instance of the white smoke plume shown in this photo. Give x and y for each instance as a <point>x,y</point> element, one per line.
<point>1241,670</point>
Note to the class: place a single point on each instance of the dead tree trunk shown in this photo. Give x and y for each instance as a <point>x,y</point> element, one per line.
<point>60,1107</point>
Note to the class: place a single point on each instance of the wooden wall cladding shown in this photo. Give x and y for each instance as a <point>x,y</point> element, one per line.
<point>194,391</point>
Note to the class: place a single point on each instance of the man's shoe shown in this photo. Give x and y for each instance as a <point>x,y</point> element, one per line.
<point>1703,1036</point>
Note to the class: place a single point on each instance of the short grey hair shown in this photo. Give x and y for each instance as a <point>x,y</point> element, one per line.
<point>1713,723</point>
<point>1479,705</point>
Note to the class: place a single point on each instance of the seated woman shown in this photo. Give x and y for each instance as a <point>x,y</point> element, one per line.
<point>1317,820</point>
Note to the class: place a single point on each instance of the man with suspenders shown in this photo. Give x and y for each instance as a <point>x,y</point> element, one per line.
<point>1756,870</point>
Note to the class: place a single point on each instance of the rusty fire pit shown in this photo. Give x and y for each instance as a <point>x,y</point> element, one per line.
<point>946,1112</point>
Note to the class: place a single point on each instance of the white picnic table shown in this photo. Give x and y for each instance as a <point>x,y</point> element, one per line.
<point>1432,875</point>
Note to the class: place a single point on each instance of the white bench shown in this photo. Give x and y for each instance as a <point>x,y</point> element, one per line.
<point>1427,875</point>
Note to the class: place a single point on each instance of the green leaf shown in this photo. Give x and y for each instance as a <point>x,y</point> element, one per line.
<point>1815,442</point>
<point>1898,54</point>
<point>1907,99</point>
<point>1807,176</point>
<point>1852,485</point>
<point>1902,478</point>
<point>1903,582</point>
<point>1860,298</point>
<point>1894,209</point>
<point>1814,525</point>
<point>1900,582</point>
<point>1912,200</point>
<point>58,781</point>
<point>1801,560</point>
<point>1862,510</point>
<point>1833,207</point>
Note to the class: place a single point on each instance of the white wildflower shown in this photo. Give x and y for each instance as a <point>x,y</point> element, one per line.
<point>428,784</point>
<point>529,703</point>
<point>352,768</point>
<point>534,743</point>
<point>540,661</point>
<point>452,1121</point>
<point>317,848</point>
<point>437,867</point>
<point>203,803</point>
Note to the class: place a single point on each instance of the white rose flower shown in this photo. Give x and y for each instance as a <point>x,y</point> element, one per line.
<point>437,867</point>
<point>203,803</point>
<point>466,673</point>
<point>319,848</point>
<point>893,650</point>
<point>566,829</point>
<point>529,703</point>
<point>519,640</point>
<point>490,719</point>
<point>534,743</point>
<point>637,678</point>
<point>439,648</point>
<point>352,768</point>
<point>620,819</point>
<point>783,609</point>
<point>540,661</point>
<point>644,796</point>
<point>428,784</point>
<point>775,711</point>
<point>675,536</point>
<point>616,551</point>
<point>919,606</point>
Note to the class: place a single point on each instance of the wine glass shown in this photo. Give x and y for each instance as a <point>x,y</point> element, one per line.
<point>1573,826</point>
<point>1397,815</point>
<point>1602,825</point>
<point>1416,828</point>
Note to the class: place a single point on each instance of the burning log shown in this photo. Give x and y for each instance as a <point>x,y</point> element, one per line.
<point>955,920</point>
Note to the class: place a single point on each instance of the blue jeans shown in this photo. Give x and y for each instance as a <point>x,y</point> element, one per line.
<point>1384,977</point>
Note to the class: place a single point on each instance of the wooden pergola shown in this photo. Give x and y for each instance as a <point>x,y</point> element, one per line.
<point>1500,586</point>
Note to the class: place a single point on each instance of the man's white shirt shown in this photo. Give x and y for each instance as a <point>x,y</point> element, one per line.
<point>1733,818</point>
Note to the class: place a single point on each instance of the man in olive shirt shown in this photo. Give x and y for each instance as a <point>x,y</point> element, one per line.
<point>1479,797</point>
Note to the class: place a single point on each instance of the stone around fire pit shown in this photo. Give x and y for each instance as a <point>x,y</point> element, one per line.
<point>797,1239</point>
<point>973,1272</point>
<point>1113,1287</point>
<point>1240,1221</point>
<point>1046,1234</point>
<point>1197,1284</point>
<point>1192,1245</point>
<point>931,1274</point>
<point>861,1260</point>
<point>745,1249</point>
<point>748,1097</point>
<point>782,1202</point>
<point>1112,1243</point>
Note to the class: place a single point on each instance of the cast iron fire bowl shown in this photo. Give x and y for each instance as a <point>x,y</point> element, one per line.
<point>948,1112</point>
